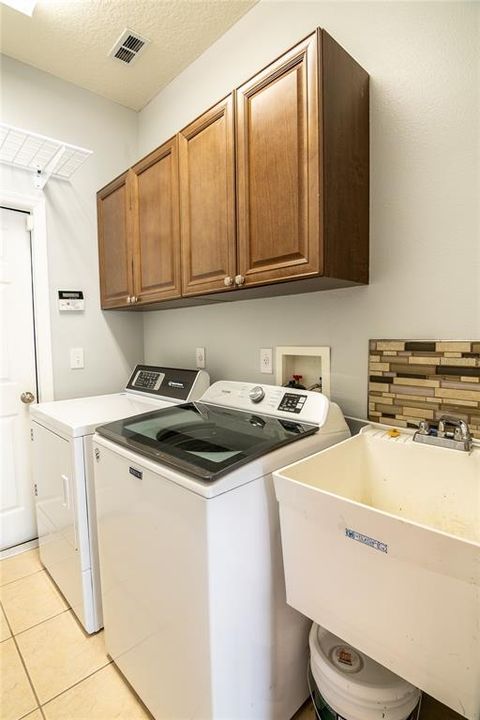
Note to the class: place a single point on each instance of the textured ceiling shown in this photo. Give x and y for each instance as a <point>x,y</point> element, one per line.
<point>72,38</point>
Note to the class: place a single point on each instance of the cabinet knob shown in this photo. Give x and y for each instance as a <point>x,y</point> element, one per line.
<point>228,281</point>
<point>239,280</point>
<point>129,299</point>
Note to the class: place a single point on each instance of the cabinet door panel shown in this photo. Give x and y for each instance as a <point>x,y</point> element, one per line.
<point>116,282</point>
<point>207,197</point>
<point>278,169</point>
<point>156,225</point>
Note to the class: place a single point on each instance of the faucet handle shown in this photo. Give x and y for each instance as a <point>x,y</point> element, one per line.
<point>424,427</point>
<point>455,422</point>
<point>461,430</point>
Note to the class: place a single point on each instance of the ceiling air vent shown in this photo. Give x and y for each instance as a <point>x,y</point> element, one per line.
<point>128,47</point>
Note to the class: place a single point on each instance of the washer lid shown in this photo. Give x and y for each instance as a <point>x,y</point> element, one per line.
<point>203,440</point>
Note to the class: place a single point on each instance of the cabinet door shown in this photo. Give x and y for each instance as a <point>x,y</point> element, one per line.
<point>156,232</point>
<point>114,247</point>
<point>278,169</point>
<point>207,201</point>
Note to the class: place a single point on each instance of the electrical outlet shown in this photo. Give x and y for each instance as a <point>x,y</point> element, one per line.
<point>266,361</point>
<point>76,359</point>
<point>200,356</point>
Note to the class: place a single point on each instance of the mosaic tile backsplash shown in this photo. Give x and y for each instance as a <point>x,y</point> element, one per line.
<point>411,380</point>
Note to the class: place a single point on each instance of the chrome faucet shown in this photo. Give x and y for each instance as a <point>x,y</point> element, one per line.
<point>458,439</point>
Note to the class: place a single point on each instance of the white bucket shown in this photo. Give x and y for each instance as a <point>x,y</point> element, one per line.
<point>355,687</point>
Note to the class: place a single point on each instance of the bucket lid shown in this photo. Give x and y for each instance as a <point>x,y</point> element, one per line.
<point>353,681</point>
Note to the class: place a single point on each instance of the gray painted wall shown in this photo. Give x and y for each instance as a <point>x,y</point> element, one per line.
<point>425,268</point>
<point>425,246</point>
<point>39,102</point>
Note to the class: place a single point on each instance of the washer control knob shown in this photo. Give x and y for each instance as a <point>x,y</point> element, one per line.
<point>257,394</point>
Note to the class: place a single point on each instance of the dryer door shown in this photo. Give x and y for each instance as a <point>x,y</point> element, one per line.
<point>53,468</point>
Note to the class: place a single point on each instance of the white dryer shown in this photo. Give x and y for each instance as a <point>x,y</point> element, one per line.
<point>190,557</point>
<point>62,434</point>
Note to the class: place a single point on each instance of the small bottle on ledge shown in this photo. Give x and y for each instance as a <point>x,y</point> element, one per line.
<point>295,382</point>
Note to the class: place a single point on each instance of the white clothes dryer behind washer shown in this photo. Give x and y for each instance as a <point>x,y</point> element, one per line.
<point>63,475</point>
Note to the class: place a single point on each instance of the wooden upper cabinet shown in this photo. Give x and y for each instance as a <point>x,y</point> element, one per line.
<point>279,236</point>
<point>303,168</point>
<point>207,201</point>
<point>114,247</point>
<point>155,225</point>
<point>269,185</point>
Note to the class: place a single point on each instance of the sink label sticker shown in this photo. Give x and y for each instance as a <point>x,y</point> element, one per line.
<point>371,542</point>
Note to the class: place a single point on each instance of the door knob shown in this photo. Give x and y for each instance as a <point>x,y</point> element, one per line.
<point>27,397</point>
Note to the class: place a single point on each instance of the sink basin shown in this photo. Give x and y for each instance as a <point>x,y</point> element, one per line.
<point>381,545</point>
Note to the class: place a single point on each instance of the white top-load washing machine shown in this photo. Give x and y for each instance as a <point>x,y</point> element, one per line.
<point>62,434</point>
<point>190,556</point>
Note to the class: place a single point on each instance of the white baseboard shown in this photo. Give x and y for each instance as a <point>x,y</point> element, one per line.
<point>17,549</point>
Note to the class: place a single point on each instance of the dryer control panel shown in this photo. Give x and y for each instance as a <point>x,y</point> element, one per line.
<point>169,383</point>
<point>148,380</point>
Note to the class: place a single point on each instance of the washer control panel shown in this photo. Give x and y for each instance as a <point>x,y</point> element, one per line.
<point>292,403</point>
<point>276,400</point>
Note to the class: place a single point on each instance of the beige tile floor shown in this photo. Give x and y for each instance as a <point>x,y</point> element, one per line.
<point>50,669</point>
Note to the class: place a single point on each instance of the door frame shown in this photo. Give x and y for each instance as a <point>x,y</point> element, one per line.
<point>36,206</point>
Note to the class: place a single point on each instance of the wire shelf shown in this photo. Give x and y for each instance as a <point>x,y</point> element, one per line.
<point>40,154</point>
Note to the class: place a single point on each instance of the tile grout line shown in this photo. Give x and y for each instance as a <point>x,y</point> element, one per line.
<point>39,709</point>
<point>40,706</point>
<point>25,668</point>
<point>40,622</point>
<point>22,577</point>
<point>13,637</point>
<point>79,682</point>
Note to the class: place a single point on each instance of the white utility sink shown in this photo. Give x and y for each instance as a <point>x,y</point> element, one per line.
<point>381,545</point>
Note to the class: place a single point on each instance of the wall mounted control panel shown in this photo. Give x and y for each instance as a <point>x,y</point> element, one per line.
<point>71,300</point>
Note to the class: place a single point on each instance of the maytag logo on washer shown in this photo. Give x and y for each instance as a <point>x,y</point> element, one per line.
<point>136,473</point>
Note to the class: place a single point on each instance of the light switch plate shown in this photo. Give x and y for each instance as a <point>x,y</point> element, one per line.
<point>266,361</point>
<point>200,357</point>
<point>76,359</point>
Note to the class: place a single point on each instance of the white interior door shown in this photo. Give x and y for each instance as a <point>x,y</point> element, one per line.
<point>17,378</point>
